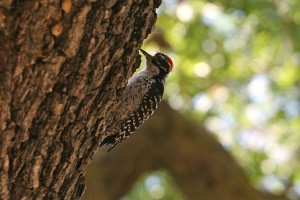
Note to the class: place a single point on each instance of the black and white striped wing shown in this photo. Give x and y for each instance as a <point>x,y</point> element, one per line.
<point>148,105</point>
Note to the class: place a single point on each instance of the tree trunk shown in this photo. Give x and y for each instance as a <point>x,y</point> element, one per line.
<point>62,65</point>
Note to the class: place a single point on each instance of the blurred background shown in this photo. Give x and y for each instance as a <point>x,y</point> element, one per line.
<point>237,73</point>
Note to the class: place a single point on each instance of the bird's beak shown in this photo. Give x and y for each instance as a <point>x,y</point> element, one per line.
<point>147,55</point>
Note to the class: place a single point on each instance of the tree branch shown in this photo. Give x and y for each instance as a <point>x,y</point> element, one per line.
<point>198,163</point>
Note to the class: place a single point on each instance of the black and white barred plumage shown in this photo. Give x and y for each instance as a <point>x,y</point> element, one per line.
<point>141,97</point>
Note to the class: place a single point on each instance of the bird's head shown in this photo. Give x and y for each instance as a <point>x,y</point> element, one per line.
<point>159,62</point>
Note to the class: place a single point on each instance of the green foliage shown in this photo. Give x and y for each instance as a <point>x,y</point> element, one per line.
<point>237,69</point>
<point>156,185</point>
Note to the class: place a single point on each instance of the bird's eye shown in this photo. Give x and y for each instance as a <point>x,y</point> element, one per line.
<point>160,57</point>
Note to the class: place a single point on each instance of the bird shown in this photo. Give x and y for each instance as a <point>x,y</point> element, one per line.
<point>141,97</point>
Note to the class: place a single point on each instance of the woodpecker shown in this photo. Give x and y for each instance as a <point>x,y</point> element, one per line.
<point>141,97</point>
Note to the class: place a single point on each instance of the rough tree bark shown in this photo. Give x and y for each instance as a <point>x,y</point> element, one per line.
<point>62,63</point>
<point>197,162</point>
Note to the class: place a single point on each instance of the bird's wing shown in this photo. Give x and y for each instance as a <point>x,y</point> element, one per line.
<point>136,118</point>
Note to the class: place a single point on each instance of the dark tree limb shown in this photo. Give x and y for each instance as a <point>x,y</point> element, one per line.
<point>62,64</point>
<point>197,162</point>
